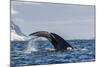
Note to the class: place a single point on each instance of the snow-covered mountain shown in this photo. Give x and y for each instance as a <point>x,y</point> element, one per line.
<point>16,34</point>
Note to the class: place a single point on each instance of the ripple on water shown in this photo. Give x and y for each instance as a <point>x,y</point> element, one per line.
<point>85,52</point>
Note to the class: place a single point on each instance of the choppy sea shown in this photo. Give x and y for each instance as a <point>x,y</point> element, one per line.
<point>24,53</point>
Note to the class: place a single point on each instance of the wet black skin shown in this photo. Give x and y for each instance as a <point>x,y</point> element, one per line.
<point>58,42</point>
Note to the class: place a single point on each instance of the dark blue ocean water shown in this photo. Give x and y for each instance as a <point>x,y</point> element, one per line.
<point>24,53</point>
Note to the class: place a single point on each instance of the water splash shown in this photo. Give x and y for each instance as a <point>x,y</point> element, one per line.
<point>31,46</point>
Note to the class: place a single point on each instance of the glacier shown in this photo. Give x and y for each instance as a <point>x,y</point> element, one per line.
<point>16,33</point>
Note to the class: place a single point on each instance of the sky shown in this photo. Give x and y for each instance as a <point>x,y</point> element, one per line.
<point>67,20</point>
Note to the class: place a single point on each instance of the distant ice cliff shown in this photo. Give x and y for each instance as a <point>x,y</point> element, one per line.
<point>16,34</point>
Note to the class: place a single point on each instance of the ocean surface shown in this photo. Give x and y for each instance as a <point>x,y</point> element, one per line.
<point>26,53</point>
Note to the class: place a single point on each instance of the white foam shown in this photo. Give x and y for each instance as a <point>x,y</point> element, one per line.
<point>31,46</point>
<point>81,49</point>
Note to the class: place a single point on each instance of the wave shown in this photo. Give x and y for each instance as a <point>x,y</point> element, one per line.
<point>34,46</point>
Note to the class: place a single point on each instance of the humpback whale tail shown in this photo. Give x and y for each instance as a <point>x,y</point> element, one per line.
<point>61,43</point>
<point>58,42</point>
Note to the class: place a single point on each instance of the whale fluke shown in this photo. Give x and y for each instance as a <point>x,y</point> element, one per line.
<point>58,42</point>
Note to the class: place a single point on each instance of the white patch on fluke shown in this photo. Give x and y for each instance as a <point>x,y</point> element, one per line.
<point>69,48</point>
